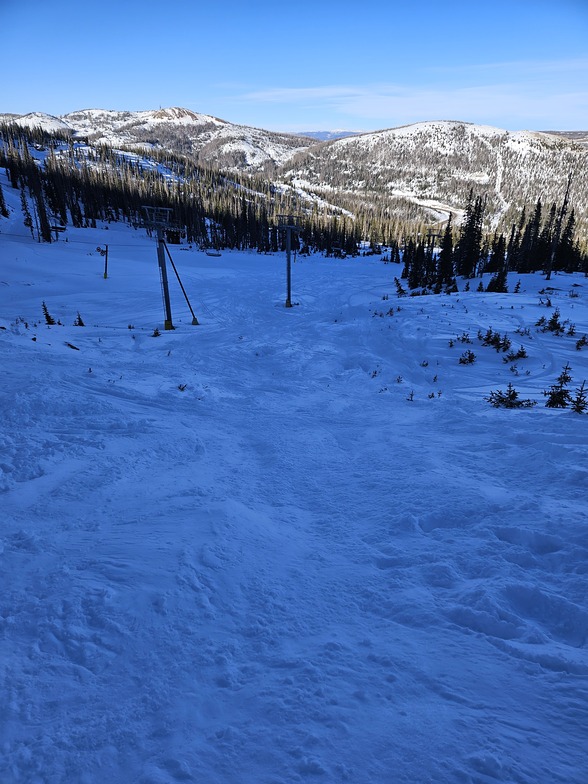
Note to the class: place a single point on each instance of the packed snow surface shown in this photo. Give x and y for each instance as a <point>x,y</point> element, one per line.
<point>284,545</point>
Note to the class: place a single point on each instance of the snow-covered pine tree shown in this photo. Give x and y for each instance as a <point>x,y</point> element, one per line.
<point>558,395</point>
<point>579,403</point>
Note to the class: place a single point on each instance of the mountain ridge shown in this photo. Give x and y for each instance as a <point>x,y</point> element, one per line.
<point>103,124</point>
<point>207,139</point>
<point>420,172</point>
<point>434,166</point>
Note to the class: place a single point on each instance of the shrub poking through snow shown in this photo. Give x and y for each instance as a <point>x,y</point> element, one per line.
<point>467,358</point>
<point>464,338</point>
<point>494,339</point>
<point>513,356</point>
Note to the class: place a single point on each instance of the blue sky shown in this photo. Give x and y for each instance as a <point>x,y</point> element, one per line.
<point>309,65</point>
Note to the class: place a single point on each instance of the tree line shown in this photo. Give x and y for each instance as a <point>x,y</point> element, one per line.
<point>63,181</point>
<point>542,240</point>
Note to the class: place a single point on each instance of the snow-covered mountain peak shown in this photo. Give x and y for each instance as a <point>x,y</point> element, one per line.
<point>429,130</point>
<point>177,129</point>
<point>180,116</point>
<point>47,122</point>
<point>439,162</point>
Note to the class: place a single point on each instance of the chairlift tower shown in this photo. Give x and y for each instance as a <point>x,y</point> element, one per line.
<point>159,218</point>
<point>289,223</point>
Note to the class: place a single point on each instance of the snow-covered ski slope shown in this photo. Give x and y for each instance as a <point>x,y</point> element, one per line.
<point>238,553</point>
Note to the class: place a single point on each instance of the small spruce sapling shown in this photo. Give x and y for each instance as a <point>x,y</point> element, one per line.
<point>513,356</point>
<point>400,291</point>
<point>558,395</point>
<point>554,325</point>
<point>508,399</point>
<point>579,403</point>
<point>48,317</point>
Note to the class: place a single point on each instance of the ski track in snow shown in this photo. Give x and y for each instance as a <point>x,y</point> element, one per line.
<point>286,571</point>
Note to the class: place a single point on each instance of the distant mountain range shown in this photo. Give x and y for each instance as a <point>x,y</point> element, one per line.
<point>206,139</point>
<point>328,136</point>
<point>434,165</point>
<point>574,136</point>
<point>419,172</point>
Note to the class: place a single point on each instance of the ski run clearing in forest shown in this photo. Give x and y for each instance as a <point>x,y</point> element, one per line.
<point>285,545</point>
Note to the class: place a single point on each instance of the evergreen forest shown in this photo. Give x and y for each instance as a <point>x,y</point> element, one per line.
<point>65,181</point>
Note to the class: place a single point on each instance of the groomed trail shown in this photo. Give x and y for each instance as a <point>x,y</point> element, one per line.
<point>286,544</point>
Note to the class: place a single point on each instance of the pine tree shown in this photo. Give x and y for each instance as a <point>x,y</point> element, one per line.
<point>468,251</point>
<point>3,208</point>
<point>416,274</point>
<point>509,399</point>
<point>498,263</point>
<point>44,226</point>
<point>558,395</point>
<point>48,317</point>
<point>497,258</point>
<point>528,246</point>
<point>445,260</point>
<point>579,403</point>
<point>567,253</point>
<point>557,230</point>
<point>514,243</point>
<point>28,221</point>
<point>408,254</point>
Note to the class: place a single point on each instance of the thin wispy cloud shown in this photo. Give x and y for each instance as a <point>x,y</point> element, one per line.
<point>525,101</point>
<point>576,66</point>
